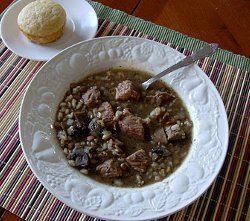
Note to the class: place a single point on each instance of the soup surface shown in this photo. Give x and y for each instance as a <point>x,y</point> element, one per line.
<point>119,134</point>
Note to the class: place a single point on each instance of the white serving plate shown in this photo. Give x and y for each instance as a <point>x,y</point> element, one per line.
<point>46,159</point>
<point>81,24</point>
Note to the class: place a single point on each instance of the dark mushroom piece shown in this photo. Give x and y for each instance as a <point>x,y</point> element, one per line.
<point>159,152</point>
<point>81,119</point>
<point>80,157</point>
<point>95,128</point>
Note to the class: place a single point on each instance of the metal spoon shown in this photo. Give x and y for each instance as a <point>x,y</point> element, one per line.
<point>207,50</point>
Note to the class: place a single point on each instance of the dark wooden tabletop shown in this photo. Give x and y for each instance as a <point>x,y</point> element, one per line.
<point>226,22</point>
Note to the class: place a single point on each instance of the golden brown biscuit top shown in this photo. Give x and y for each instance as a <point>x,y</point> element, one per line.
<point>41,18</point>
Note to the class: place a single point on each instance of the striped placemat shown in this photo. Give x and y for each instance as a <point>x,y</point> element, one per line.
<point>229,196</point>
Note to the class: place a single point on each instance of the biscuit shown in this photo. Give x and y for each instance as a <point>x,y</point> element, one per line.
<point>42,21</point>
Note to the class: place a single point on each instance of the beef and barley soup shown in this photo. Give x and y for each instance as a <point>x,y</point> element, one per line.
<point>115,132</point>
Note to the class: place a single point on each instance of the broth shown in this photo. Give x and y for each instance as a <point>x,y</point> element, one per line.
<point>116,133</point>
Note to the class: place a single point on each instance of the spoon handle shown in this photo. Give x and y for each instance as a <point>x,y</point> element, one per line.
<point>207,50</point>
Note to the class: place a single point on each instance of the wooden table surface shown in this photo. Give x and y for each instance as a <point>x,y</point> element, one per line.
<point>226,22</point>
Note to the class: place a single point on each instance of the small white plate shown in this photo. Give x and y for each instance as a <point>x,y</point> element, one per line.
<point>46,158</point>
<point>81,25</point>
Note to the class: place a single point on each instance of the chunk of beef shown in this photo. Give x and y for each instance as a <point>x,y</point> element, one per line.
<point>95,128</point>
<point>81,119</point>
<point>110,169</point>
<point>139,160</point>
<point>92,97</point>
<point>126,90</point>
<point>159,136</point>
<point>108,115</point>
<point>174,132</point>
<point>160,97</point>
<point>116,146</point>
<point>132,126</point>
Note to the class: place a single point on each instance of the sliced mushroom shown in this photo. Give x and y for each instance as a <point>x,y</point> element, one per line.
<point>80,157</point>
